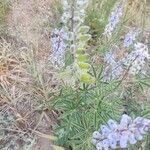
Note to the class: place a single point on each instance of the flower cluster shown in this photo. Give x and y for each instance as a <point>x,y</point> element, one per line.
<point>136,60</point>
<point>58,38</point>
<point>130,37</point>
<point>114,19</point>
<point>66,16</point>
<point>113,69</point>
<point>133,62</point>
<point>114,66</point>
<point>112,72</point>
<point>73,18</point>
<point>116,135</point>
<point>74,11</point>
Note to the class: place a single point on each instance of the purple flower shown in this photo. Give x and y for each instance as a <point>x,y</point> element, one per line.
<point>136,60</point>
<point>130,37</point>
<point>58,38</point>
<point>114,67</point>
<point>119,135</point>
<point>114,19</point>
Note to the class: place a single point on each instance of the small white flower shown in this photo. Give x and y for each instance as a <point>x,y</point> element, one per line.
<point>113,143</point>
<point>146,128</point>
<point>94,141</point>
<point>146,122</point>
<point>138,120</point>
<point>112,137</point>
<point>142,130</point>
<point>96,135</point>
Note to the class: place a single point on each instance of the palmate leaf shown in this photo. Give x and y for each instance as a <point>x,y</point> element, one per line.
<point>80,129</point>
<point>83,111</point>
<point>145,82</point>
<point>88,107</point>
<point>147,142</point>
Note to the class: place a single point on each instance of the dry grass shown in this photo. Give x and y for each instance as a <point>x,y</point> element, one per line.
<point>26,79</point>
<point>27,83</point>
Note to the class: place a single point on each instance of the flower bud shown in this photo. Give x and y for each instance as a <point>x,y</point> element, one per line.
<point>113,143</point>
<point>138,136</point>
<point>125,121</point>
<point>132,139</point>
<point>94,141</point>
<point>99,146</point>
<point>96,135</point>
<point>106,144</point>
<point>138,120</point>
<point>105,130</point>
<point>142,131</point>
<point>112,124</point>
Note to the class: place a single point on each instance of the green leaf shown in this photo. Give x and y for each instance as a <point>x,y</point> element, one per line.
<point>145,83</point>
<point>83,65</point>
<point>86,78</point>
<point>83,29</point>
<point>84,37</point>
<point>80,50</point>
<point>81,57</point>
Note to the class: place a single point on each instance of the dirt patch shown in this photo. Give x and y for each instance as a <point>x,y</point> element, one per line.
<point>43,144</point>
<point>28,20</point>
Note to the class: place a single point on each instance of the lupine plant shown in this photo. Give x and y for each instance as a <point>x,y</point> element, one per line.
<point>89,105</point>
<point>72,19</point>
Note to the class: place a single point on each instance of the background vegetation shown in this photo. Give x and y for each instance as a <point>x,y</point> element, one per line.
<point>37,101</point>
